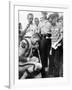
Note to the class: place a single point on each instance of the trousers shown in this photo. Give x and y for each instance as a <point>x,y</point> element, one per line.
<point>44,47</point>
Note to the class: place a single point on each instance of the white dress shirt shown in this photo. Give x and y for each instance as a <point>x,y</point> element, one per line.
<point>44,27</point>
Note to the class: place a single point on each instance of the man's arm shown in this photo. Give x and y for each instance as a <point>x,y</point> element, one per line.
<point>39,30</point>
<point>23,59</point>
<point>24,32</point>
<point>61,36</point>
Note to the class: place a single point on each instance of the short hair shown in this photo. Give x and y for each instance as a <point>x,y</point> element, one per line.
<point>30,14</point>
<point>44,12</point>
<point>54,15</point>
<point>36,18</point>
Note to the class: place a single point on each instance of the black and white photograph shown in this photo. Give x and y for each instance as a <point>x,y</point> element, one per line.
<point>36,45</point>
<point>40,44</point>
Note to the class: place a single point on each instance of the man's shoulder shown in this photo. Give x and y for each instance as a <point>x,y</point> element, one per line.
<point>44,22</point>
<point>48,22</point>
<point>32,26</point>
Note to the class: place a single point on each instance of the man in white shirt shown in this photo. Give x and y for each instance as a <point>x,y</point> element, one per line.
<point>30,28</point>
<point>45,43</point>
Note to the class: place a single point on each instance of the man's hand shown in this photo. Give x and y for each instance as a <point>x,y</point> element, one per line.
<point>28,59</point>
<point>28,25</point>
<point>24,32</point>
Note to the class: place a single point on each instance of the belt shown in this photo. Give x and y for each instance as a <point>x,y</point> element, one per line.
<point>46,35</point>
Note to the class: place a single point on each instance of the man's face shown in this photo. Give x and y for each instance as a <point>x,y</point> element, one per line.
<point>44,15</point>
<point>36,21</point>
<point>60,21</point>
<point>54,20</point>
<point>30,18</point>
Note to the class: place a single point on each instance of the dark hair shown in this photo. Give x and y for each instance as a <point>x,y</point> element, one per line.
<point>44,12</point>
<point>30,14</point>
<point>61,18</point>
<point>52,16</point>
<point>36,18</point>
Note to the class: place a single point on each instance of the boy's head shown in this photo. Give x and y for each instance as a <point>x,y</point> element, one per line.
<point>36,20</point>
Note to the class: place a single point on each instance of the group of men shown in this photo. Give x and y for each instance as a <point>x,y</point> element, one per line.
<point>41,47</point>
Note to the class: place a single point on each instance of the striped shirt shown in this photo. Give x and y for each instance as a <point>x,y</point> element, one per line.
<point>56,32</point>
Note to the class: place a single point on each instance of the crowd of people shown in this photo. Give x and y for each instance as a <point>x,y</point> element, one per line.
<point>41,46</point>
